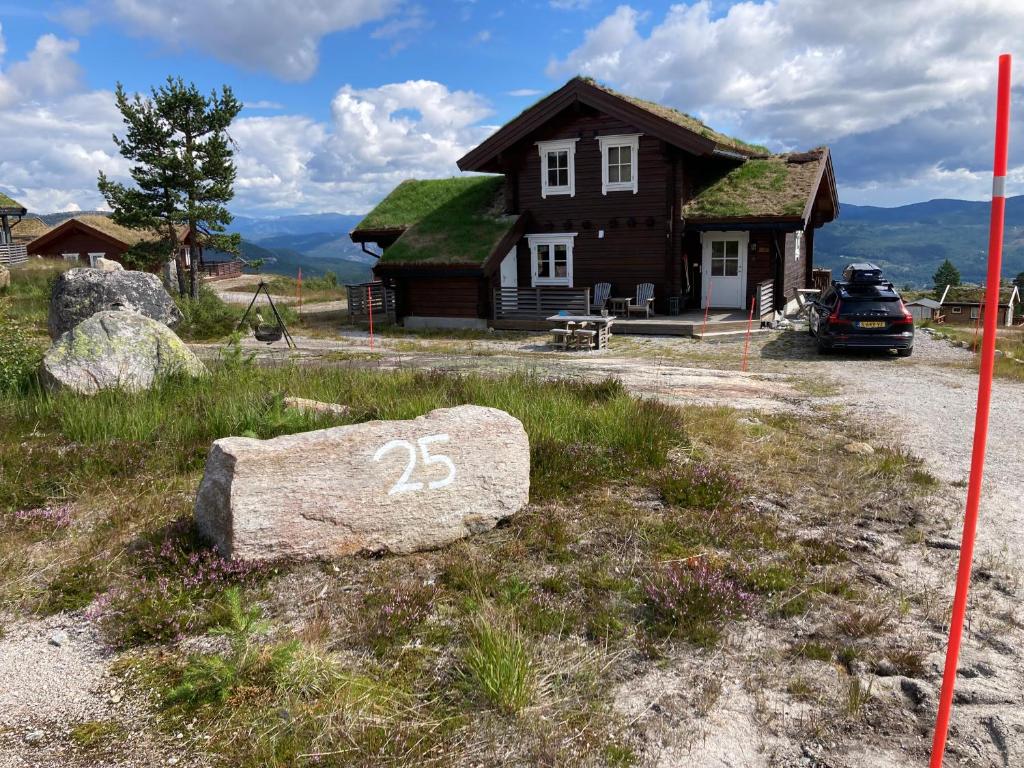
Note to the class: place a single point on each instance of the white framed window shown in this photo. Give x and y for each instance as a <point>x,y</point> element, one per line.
<point>551,258</point>
<point>70,256</point>
<point>974,313</point>
<point>557,167</point>
<point>956,310</point>
<point>619,163</point>
<point>93,257</point>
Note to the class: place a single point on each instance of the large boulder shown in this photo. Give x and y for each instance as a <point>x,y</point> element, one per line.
<point>108,265</point>
<point>381,486</point>
<point>80,293</point>
<point>117,350</point>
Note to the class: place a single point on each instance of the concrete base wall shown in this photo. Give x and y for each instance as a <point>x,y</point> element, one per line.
<point>449,323</point>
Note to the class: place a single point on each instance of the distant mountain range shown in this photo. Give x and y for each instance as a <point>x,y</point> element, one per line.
<point>910,241</point>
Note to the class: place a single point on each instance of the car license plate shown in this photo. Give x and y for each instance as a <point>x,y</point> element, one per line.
<point>871,324</point>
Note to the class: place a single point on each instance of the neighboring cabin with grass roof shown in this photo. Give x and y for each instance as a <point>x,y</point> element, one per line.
<point>11,212</point>
<point>593,186</point>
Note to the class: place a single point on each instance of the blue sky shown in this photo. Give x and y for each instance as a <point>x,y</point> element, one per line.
<point>346,98</point>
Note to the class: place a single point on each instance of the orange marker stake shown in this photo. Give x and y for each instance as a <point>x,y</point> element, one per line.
<point>746,341</point>
<point>707,307</point>
<point>369,306</point>
<point>988,356</point>
<point>299,290</point>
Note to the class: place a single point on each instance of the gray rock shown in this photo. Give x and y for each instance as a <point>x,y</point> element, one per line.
<point>78,294</point>
<point>860,449</point>
<point>315,406</point>
<point>382,486</point>
<point>59,638</point>
<point>34,737</point>
<point>108,265</point>
<point>117,350</point>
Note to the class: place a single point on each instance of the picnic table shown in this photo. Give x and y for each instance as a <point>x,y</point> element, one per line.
<point>575,330</point>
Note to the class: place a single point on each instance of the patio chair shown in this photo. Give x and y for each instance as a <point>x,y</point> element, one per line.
<point>643,301</point>
<point>600,298</point>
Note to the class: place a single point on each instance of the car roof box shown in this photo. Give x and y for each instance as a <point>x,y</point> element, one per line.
<point>864,273</point>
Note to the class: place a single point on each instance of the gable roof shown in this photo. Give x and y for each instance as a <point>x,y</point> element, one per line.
<point>28,229</point>
<point>670,125</point>
<point>924,302</point>
<point>776,186</point>
<point>10,206</point>
<point>975,294</point>
<point>456,221</point>
<point>102,227</point>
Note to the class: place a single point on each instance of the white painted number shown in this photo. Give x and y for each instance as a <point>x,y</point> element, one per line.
<point>403,483</point>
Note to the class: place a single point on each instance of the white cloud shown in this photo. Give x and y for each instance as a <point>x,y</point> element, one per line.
<point>282,38</point>
<point>48,70</point>
<point>570,5</point>
<point>875,77</point>
<point>264,104</point>
<point>483,36</point>
<point>525,92</point>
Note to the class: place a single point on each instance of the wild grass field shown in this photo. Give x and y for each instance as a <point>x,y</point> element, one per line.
<point>656,538</point>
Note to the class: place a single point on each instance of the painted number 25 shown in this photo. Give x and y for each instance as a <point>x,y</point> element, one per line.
<point>403,483</point>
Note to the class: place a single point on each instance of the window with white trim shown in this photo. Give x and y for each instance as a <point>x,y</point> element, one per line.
<point>974,313</point>
<point>551,258</point>
<point>71,257</point>
<point>956,310</point>
<point>94,256</point>
<point>619,163</point>
<point>557,167</point>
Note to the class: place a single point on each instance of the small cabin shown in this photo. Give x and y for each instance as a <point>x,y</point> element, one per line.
<point>11,212</point>
<point>964,305</point>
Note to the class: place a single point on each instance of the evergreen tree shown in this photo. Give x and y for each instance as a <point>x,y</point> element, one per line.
<point>946,274</point>
<point>183,169</point>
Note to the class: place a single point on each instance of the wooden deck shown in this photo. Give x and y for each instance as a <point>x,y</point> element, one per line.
<point>687,324</point>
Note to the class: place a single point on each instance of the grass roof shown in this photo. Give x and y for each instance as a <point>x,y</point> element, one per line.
<point>108,226</point>
<point>9,202</point>
<point>974,294</point>
<point>779,185</point>
<point>28,229</point>
<point>684,120</point>
<point>446,221</point>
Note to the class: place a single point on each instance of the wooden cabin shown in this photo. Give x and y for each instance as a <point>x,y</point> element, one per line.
<point>964,305</point>
<point>11,213</point>
<point>83,239</point>
<point>593,186</point>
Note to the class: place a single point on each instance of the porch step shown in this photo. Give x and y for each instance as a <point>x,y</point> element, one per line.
<point>719,335</point>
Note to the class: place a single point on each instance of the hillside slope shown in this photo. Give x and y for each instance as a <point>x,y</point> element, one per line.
<point>910,241</point>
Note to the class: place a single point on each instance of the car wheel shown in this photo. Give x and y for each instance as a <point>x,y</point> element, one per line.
<point>810,330</point>
<point>905,352</point>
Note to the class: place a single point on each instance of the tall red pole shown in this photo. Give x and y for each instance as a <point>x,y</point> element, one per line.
<point>707,306</point>
<point>369,305</point>
<point>746,341</point>
<point>988,356</point>
<point>298,289</point>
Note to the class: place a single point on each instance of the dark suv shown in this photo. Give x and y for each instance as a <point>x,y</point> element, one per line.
<point>865,312</point>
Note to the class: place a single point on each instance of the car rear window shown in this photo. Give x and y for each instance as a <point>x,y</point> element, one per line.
<point>874,306</point>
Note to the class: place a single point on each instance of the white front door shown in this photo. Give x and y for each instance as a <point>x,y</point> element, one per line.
<point>725,269</point>
<point>510,270</point>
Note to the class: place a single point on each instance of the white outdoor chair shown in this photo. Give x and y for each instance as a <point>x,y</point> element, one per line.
<point>643,301</point>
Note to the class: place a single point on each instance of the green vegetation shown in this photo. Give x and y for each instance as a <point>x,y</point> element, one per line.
<point>206,317</point>
<point>9,202</point>
<point>450,221</point>
<point>757,187</point>
<point>20,354</point>
<point>946,275</point>
<point>500,666</point>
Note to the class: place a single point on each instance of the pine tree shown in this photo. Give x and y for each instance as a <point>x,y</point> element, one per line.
<point>946,274</point>
<point>183,170</point>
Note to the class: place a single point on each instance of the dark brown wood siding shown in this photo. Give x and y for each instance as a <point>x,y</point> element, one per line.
<point>441,296</point>
<point>636,246</point>
<point>81,243</point>
<point>794,274</point>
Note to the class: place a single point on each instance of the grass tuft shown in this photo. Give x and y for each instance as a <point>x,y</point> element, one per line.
<point>499,665</point>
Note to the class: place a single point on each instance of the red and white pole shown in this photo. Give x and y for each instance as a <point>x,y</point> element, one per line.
<point>746,341</point>
<point>988,356</point>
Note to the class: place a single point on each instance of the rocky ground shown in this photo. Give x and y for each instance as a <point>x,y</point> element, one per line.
<point>719,712</point>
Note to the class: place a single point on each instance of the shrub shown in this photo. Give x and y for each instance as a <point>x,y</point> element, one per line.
<point>206,317</point>
<point>19,355</point>
<point>395,613</point>
<point>693,600</point>
<point>499,665</point>
<point>698,486</point>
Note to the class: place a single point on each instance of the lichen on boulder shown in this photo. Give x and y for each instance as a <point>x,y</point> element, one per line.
<point>117,350</point>
<point>80,293</point>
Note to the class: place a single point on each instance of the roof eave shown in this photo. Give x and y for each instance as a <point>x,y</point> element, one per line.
<point>522,125</point>
<point>375,235</point>
<point>825,173</point>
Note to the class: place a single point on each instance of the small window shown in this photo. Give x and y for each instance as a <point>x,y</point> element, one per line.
<point>956,310</point>
<point>725,258</point>
<point>71,256</point>
<point>974,313</point>
<point>558,167</point>
<point>619,163</point>
<point>94,256</point>
<point>551,258</point>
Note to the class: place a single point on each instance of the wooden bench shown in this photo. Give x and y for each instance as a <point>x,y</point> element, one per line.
<point>584,338</point>
<point>560,337</point>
